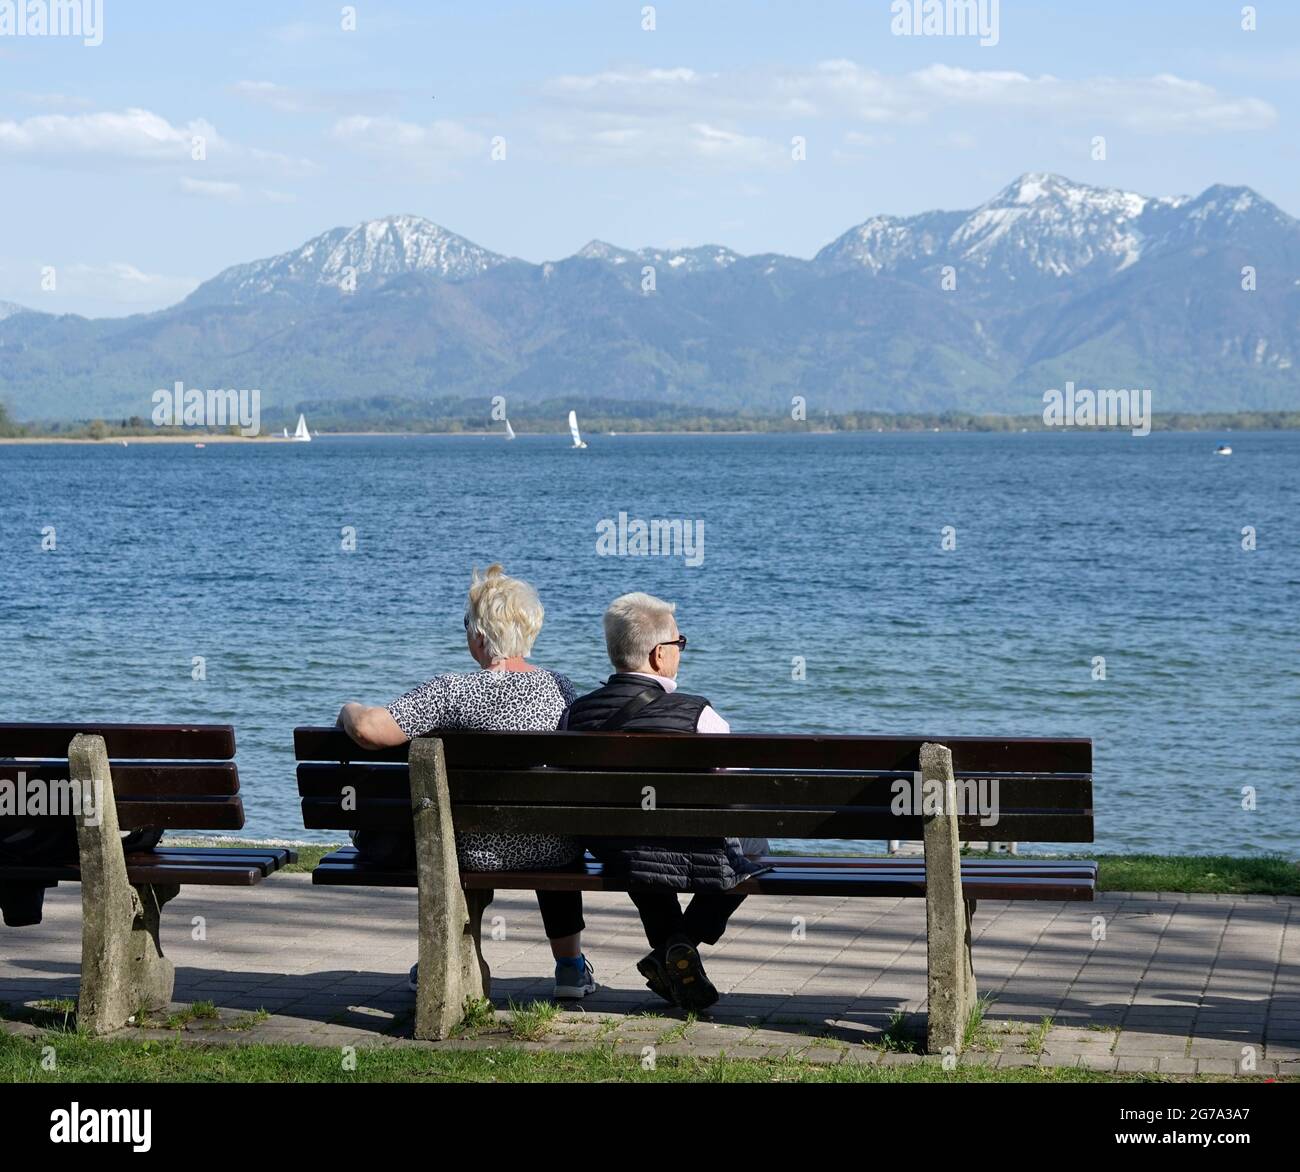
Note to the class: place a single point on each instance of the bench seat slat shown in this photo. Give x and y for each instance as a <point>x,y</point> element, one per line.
<point>1026,879</point>
<point>174,865</point>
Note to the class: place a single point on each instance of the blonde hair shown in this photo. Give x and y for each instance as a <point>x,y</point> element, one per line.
<point>505,611</point>
<point>634,623</point>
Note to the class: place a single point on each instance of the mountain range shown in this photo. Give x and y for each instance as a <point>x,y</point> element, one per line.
<point>1048,281</point>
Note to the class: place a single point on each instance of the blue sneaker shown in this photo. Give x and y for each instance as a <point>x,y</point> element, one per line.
<point>574,979</point>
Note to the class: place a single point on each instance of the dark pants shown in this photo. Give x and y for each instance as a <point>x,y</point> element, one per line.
<point>561,910</point>
<point>703,921</point>
<point>22,903</point>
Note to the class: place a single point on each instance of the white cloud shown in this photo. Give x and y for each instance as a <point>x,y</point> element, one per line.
<point>54,101</point>
<point>430,148</point>
<point>211,189</point>
<point>119,283</point>
<point>298,100</point>
<point>134,136</point>
<point>1163,104</point>
<point>746,118</point>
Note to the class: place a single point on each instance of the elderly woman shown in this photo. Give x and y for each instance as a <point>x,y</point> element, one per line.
<point>502,620</point>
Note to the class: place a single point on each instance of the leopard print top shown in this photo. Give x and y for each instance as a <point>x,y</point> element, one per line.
<point>494,701</point>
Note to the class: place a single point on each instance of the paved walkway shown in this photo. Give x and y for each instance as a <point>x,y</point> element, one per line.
<point>1180,984</point>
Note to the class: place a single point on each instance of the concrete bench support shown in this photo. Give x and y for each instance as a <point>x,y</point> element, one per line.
<point>951,974</point>
<point>123,970</point>
<point>452,968</point>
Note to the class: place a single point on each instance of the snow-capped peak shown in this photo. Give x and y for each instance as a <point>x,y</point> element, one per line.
<point>704,258</point>
<point>352,260</point>
<point>1040,226</point>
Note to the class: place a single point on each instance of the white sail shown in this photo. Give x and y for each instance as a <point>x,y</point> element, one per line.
<point>301,434</point>
<point>286,433</point>
<point>573,430</point>
<point>510,431</point>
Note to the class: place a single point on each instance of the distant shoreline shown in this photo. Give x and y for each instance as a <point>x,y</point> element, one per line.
<point>197,438</point>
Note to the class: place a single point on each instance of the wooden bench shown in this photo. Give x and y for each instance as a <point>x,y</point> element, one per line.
<point>595,784</point>
<point>144,776</point>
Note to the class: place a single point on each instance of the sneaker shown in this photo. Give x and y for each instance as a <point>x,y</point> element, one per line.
<point>656,977</point>
<point>574,980</point>
<point>689,982</point>
<point>413,979</point>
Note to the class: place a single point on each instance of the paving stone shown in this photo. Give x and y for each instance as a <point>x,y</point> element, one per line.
<point>345,980</point>
<point>1133,1063</point>
<point>1098,1061</point>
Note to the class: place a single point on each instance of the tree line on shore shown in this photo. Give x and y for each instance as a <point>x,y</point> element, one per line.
<point>551,418</point>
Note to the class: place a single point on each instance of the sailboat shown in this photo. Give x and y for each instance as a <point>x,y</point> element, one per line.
<point>301,434</point>
<point>573,430</point>
<point>510,431</point>
<point>1223,450</point>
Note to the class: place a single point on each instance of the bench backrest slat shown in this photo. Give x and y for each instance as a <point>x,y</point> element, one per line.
<point>146,742</point>
<point>143,779</point>
<point>651,751</point>
<point>599,784</point>
<point>784,822</point>
<point>178,777</point>
<point>756,787</point>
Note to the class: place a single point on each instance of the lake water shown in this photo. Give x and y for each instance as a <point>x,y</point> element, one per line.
<point>1069,546</point>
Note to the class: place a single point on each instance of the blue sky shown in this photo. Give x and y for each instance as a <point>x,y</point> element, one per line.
<point>672,137</point>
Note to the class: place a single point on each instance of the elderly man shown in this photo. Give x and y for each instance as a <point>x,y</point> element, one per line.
<point>645,648</point>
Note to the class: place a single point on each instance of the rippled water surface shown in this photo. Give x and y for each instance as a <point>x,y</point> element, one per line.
<point>1068,547</point>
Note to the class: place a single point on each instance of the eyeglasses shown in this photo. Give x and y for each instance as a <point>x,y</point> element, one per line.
<point>679,643</point>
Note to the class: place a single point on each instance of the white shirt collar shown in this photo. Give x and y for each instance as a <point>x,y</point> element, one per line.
<point>663,681</point>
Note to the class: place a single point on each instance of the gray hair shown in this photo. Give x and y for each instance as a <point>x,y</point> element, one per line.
<point>505,611</point>
<point>634,623</point>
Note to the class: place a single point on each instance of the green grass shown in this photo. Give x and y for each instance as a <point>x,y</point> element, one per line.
<point>898,1037</point>
<point>1037,1037</point>
<point>975,1034</point>
<point>532,1022</point>
<point>479,1015</point>
<point>84,1059</point>
<point>1194,874</point>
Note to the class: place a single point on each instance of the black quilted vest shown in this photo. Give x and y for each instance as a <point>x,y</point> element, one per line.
<point>671,712</point>
<point>677,864</point>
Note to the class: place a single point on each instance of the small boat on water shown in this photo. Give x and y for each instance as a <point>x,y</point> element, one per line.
<point>578,441</point>
<point>510,431</point>
<point>301,434</point>
<point>1223,450</point>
